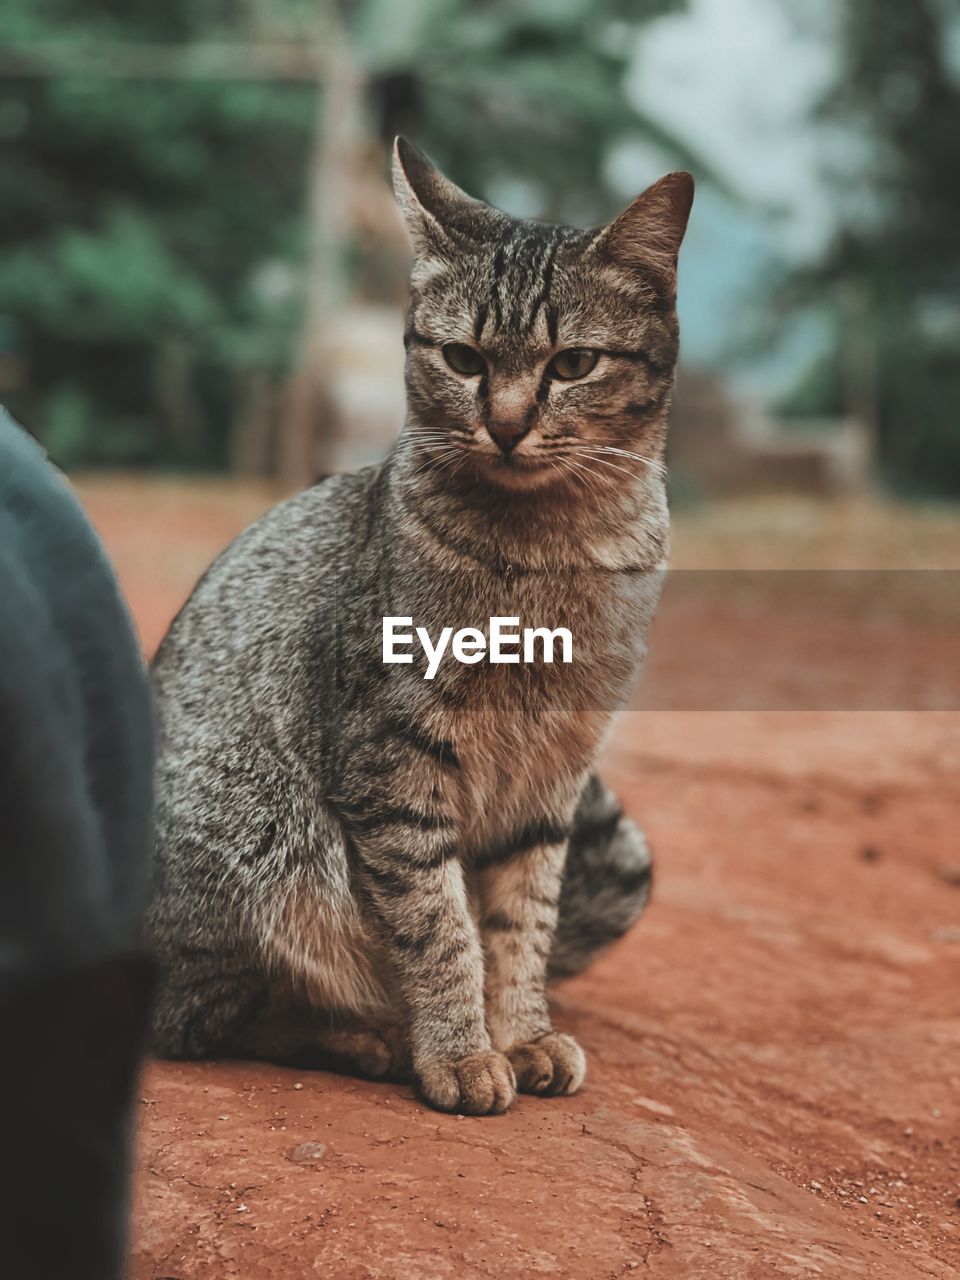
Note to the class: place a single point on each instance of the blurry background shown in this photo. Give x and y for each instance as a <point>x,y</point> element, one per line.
<point>201,282</point>
<point>202,268</point>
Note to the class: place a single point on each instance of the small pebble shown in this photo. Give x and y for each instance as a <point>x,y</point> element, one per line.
<point>870,853</point>
<point>298,1085</point>
<point>308,1153</point>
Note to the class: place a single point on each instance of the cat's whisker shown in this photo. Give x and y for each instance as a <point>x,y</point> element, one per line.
<point>438,452</point>
<point>444,459</point>
<point>440,462</point>
<point>621,453</point>
<point>562,466</point>
<point>634,475</point>
<point>653,463</point>
<point>432,447</point>
<point>440,447</point>
<point>580,473</point>
<point>578,470</point>
<point>599,452</point>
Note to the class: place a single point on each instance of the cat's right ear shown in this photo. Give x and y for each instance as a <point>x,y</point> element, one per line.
<point>648,234</point>
<point>438,214</point>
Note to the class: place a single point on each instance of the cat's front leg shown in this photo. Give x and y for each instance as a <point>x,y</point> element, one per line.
<point>416,891</point>
<point>519,892</point>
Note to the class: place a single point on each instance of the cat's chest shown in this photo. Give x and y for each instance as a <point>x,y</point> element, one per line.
<point>543,655</point>
<point>528,727</point>
<point>564,624</point>
<point>518,770</point>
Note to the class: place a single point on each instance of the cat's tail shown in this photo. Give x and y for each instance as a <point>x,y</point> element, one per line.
<point>606,881</point>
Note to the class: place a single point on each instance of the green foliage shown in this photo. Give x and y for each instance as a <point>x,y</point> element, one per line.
<point>138,212</point>
<point>505,90</point>
<point>921,416</point>
<point>896,253</point>
<point>156,221</point>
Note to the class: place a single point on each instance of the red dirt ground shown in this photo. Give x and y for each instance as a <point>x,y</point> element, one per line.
<point>774,1069</point>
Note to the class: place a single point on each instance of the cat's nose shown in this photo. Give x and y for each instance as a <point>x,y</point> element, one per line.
<point>506,435</point>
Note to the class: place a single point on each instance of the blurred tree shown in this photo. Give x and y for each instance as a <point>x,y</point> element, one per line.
<point>147,225</point>
<point>159,161</point>
<point>520,103</point>
<point>527,97</point>
<point>889,281</point>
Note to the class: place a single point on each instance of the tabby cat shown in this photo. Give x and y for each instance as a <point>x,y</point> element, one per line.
<point>357,865</point>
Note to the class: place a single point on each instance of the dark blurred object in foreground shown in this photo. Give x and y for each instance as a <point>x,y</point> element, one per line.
<point>75,794</point>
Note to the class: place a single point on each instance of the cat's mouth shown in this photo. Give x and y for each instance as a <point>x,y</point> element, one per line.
<point>518,470</point>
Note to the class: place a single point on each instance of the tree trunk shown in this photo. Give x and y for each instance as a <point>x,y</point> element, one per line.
<point>310,426</point>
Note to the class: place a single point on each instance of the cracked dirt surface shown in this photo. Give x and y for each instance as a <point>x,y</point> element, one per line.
<point>774,1071</point>
<point>774,1068</point>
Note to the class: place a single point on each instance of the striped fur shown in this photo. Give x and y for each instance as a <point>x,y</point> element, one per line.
<point>354,863</point>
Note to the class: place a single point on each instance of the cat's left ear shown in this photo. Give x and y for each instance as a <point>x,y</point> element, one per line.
<point>438,214</point>
<point>648,234</point>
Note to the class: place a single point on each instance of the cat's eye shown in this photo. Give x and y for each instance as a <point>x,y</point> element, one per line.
<point>464,360</point>
<point>575,362</point>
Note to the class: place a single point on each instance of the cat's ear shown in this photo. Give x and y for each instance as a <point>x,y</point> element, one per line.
<point>648,234</point>
<point>438,214</point>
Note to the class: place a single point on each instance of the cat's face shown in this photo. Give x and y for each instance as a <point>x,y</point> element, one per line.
<point>539,355</point>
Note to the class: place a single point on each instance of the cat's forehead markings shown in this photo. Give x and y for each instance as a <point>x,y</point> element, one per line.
<point>539,303</point>
<point>521,278</point>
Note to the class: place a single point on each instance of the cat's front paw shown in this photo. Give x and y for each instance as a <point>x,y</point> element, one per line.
<point>481,1084</point>
<point>554,1064</point>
